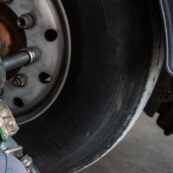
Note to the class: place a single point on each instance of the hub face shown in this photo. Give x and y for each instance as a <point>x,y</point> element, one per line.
<point>43,81</point>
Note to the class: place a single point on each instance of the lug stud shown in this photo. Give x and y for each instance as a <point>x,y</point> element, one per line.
<point>20,81</point>
<point>25,21</point>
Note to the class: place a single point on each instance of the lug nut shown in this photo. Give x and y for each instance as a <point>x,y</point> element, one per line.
<point>25,21</point>
<point>20,81</point>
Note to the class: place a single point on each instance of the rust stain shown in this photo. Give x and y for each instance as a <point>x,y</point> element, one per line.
<point>5,40</point>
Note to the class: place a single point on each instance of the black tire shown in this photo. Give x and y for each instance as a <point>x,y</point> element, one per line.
<point>112,43</point>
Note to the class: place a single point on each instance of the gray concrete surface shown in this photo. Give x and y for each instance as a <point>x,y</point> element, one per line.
<point>144,150</point>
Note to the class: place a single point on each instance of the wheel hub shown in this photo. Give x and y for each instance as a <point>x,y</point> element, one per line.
<point>33,89</point>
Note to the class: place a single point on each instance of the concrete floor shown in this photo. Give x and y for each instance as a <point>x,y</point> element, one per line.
<point>144,150</point>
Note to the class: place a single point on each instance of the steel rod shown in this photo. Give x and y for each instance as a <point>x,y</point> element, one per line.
<point>21,58</point>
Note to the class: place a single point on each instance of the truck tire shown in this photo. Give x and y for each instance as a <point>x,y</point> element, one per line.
<point>117,54</point>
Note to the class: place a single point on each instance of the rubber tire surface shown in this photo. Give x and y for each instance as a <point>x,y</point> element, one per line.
<point>111,54</point>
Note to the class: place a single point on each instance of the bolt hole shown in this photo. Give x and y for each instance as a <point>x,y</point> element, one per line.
<point>18,102</point>
<point>51,35</point>
<point>21,23</point>
<point>44,78</point>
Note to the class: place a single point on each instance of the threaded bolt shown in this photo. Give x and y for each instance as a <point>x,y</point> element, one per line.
<point>20,81</point>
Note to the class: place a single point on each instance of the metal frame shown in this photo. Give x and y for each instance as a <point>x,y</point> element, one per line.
<point>166,7</point>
